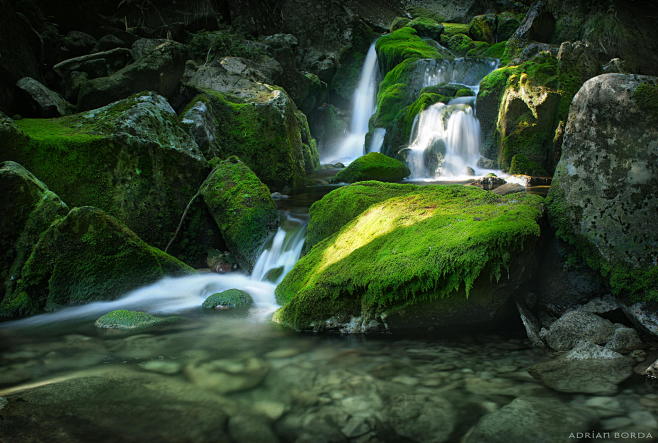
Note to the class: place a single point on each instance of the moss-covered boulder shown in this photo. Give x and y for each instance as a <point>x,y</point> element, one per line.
<point>242,208</point>
<point>603,195</point>
<point>86,256</point>
<point>426,27</point>
<point>123,319</point>
<point>229,300</point>
<point>129,158</point>
<point>407,257</point>
<point>483,28</point>
<point>261,125</point>
<point>403,44</point>
<point>373,166</point>
<point>28,208</point>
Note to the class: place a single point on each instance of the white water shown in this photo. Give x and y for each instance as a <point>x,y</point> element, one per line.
<point>445,140</point>
<point>377,140</point>
<point>363,107</point>
<point>173,295</point>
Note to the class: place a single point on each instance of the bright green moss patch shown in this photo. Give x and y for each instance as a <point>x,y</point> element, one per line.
<point>231,299</point>
<point>426,27</point>
<point>411,244</point>
<point>455,28</point>
<point>373,166</point>
<point>123,319</point>
<point>402,44</point>
<point>242,208</point>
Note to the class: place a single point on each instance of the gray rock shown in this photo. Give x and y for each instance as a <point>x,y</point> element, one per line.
<point>531,324</point>
<point>615,65</point>
<point>600,305</point>
<point>624,340</point>
<point>644,316</point>
<point>109,41</point>
<point>44,102</point>
<point>508,188</point>
<point>587,368</point>
<point>575,326</point>
<point>540,420</point>
<point>604,185</point>
<point>489,183</point>
<point>421,417</point>
<point>537,25</point>
<point>225,376</point>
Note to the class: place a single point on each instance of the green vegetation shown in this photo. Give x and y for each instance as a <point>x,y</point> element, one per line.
<point>634,284</point>
<point>401,45</point>
<point>450,29</point>
<point>123,319</point>
<point>83,257</point>
<point>646,96</point>
<point>426,27</point>
<point>405,245</point>
<point>242,208</point>
<point>483,28</point>
<point>373,166</point>
<point>231,299</point>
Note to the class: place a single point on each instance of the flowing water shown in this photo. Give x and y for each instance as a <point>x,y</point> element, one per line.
<point>217,377</point>
<point>363,107</point>
<point>445,139</point>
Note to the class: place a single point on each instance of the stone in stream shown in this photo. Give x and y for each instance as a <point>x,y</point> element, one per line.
<point>373,166</point>
<point>225,376</point>
<point>250,429</point>
<point>587,368</point>
<point>420,417</point>
<point>575,326</point>
<point>396,248</point>
<point>229,300</point>
<point>531,419</point>
<point>123,319</point>
<point>624,340</point>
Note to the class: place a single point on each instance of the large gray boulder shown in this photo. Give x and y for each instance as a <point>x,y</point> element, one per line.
<point>604,190</point>
<point>575,326</point>
<point>42,101</point>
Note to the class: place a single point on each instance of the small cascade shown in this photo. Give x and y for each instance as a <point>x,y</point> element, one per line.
<point>363,107</point>
<point>445,138</point>
<point>377,140</point>
<point>173,295</point>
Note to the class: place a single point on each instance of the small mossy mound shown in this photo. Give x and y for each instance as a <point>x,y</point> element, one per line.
<point>28,208</point>
<point>123,319</point>
<point>455,28</point>
<point>483,28</point>
<point>129,158</point>
<point>426,27</point>
<point>403,44</point>
<point>398,22</point>
<point>405,247</point>
<point>232,299</point>
<point>242,208</point>
<point>86,256</point>
<point>373,166</point>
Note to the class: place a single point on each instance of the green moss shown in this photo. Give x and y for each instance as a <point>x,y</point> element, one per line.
<point>483,28</point>
<point>410,245</point>
<point>426,27</point>
<point>266,138</point>
<point>232,299</point>
<point>123,319</point>
<point>373,166</point>
<point>450,29</point>
<point>633,284</point>
<point>242,208</point>
<point>496,50</point>
<point>89,159</point>
<point>401,45</point>
<point>646,96</point>
<point>464,92</point>
<point>398,22</point>
<point>521,165</point>
<point>86,256</point>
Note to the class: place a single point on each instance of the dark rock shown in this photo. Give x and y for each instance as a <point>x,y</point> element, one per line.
<point>78,43</point>
<point>43,102</point>
<point>509,188</point>
<point>109,41</point>
<point>489,183</point>
<point>419,417</point>
<point>537,25</point>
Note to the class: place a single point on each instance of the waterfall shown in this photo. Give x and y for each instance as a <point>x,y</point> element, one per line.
<point>445,138</point>
<point>363,107</point>
<point>377,140</point>
<point>172,295</point>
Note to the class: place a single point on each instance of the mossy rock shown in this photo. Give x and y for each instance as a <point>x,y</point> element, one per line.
<point>426,27</point>
<point>86,256</point>
<point>373,166</point>
<point>265,129</point>
<point>274,274</point>
<point>28,209</point>
<point>399,22</point>
<point>450,29</point>
<point>462,44</point>
<point>231,299</point>
<point>242,207</point>
<point>412,255</point>
<point>123,319</point>
<point>483,28</point>
<point>129,158</point>
<point>403,44</point>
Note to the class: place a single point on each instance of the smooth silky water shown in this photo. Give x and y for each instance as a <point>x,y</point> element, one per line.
<point>212,369</point>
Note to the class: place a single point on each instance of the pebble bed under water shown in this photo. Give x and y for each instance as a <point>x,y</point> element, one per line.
<point>217,378</point>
